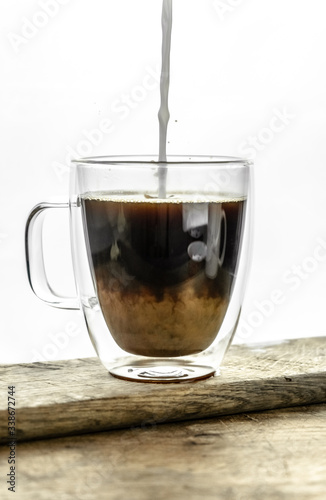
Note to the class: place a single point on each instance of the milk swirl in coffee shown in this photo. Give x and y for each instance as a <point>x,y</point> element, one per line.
<point>163,283</point>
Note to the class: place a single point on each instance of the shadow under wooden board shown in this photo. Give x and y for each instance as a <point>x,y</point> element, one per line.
<point>62,398</point>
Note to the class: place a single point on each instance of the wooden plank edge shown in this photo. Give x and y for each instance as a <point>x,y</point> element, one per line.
<point>241,397</point>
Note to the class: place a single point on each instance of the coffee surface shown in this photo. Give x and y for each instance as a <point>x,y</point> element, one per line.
<point>164,269</point>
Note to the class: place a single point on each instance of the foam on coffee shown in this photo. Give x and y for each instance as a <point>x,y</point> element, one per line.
<point>177,198</point>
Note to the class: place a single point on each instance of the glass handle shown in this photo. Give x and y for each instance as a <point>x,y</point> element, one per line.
<point>35,259</point>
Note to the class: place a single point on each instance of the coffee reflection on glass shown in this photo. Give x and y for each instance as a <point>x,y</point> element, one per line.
<point>163,269</point>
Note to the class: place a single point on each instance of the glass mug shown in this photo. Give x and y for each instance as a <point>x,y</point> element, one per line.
<point>160,280</point>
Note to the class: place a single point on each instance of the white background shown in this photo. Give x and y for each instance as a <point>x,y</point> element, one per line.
<point>236,67</point>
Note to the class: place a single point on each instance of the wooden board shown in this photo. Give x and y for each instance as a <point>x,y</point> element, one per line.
<point>272,455</point>
<point>78,396</point>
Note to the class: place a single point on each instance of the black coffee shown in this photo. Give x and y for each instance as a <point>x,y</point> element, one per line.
<point>164,269</point>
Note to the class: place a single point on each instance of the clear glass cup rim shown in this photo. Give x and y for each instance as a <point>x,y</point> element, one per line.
<point>172,160</point>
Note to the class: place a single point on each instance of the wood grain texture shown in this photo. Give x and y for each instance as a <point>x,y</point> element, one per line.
<point>271,455</point>
<point>79,396</point>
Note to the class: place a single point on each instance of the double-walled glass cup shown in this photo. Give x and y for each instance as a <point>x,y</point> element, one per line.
<point>160,253</point>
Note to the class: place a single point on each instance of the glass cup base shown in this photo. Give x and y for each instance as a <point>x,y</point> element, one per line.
<point>162,372</point>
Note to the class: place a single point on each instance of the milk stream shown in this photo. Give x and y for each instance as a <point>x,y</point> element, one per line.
<point>164,114</point>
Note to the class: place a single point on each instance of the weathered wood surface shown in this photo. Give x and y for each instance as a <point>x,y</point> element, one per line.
<point>79,396</point>
<point>272,455</point>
